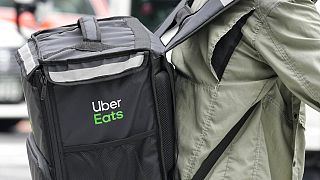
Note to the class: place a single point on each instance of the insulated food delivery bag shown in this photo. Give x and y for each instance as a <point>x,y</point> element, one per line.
<point>100,101</point>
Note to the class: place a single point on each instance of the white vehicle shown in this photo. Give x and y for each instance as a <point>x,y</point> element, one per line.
<point>12,105</point>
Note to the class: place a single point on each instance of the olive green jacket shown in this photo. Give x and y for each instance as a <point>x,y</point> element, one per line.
<point>276,63</point>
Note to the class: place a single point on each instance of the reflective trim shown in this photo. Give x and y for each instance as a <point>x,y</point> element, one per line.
<point>226,2</point>
<point>28,61</point>
<point>103,70</point>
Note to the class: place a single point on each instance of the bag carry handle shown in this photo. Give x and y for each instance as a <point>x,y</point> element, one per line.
<point>90,29</point>
<point>191,23</point>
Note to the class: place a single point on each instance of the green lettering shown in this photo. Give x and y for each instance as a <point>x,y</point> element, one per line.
<point>120,115</point>
<point>97,120</point>
<point>104,118</point>
<point>112,114</point>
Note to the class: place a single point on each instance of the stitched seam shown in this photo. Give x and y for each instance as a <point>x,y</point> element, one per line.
<point>228,161</point>
<point>303,81</point>
<point>260,13</point>
<point>195,82</point>
<point>259,93</point>
<point>206,124</point>
<point>256,31</point>
<point>271,100</point>
<point>224,32</point>
<point>257,156</point>
<point>253,42</point>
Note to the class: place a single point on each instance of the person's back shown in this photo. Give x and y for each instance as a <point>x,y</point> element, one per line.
<point>260,54</point>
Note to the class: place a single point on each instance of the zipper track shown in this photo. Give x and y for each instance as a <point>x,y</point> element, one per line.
<point>95,57</point>
<point>51,133</point>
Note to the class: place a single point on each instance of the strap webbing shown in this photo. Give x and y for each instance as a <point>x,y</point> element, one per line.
<point>208,163</point>
<point>170,21</point>
<point>90,28</point>
<point>194,22</point>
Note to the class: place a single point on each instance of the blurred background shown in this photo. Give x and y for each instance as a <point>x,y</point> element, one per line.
<point>20,18</point>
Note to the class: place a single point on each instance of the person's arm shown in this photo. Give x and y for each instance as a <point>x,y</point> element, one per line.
<point>289,41</point>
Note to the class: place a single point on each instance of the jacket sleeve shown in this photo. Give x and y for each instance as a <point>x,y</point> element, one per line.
<point>289,41</point>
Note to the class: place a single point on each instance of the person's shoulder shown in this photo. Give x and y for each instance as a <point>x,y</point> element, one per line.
<point>267,5</point>
<point>264,7</point>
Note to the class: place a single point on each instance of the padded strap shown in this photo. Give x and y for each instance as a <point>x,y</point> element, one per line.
<point>191,24</point>
<point>89,28</point>
<point>174,18</point>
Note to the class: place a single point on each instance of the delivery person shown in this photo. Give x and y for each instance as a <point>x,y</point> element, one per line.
<point>257,61</point>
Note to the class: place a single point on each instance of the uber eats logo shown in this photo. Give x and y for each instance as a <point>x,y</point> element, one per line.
<point>107,112</point>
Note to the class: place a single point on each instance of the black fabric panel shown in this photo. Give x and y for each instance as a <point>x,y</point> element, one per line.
<point>41,136</point>
<point>226,46</point>
<point>133,110</point>
<point>39,167</point>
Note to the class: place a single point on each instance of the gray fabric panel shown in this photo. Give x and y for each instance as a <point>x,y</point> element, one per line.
<point>29,61</point>
<point>182,14</point>
<point>155,42</point>
<point>114,33</point>
<point>193,23</point>
<point>103,70</point>
<point>142,39</point>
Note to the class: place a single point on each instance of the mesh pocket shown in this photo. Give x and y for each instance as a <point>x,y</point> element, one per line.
<point>130,161</point>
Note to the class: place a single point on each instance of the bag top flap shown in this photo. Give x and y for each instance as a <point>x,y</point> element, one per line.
<point>88,38</point>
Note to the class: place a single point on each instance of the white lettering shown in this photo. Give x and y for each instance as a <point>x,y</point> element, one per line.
<point>94,109</point>
<point>113,104</point>
<point>104,106</point>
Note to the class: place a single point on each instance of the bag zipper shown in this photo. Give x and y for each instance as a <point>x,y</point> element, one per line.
<point>43,89</point>
<point>45,106</point>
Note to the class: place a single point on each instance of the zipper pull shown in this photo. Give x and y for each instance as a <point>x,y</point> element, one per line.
<point>44,89</point>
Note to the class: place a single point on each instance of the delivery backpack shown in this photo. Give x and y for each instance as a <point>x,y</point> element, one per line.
<point>100,97</point>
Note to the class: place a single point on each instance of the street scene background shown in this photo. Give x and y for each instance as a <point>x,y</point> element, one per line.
<point>43,14</point>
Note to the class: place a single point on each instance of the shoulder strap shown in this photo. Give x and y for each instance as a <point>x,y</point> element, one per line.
<point>189,23</point>
<point>213,157</point>
<point>171,20</point>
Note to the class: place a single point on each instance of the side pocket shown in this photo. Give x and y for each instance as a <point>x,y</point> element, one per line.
<point>165,105</point>
<point>38,165</point>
